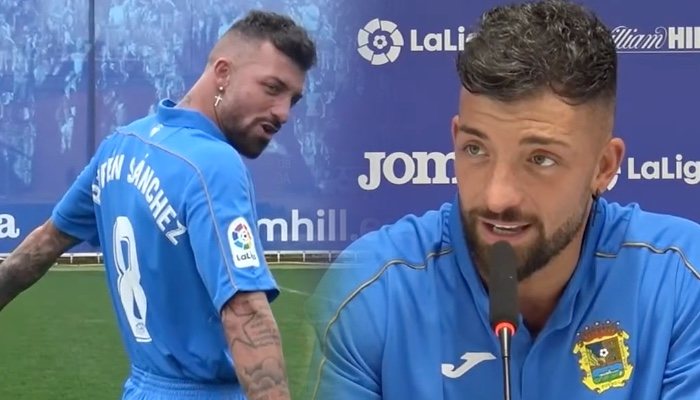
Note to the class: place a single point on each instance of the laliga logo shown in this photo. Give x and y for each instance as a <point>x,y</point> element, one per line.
<point>665,168</point>
<point>379,42</point>
<point>242,237</point>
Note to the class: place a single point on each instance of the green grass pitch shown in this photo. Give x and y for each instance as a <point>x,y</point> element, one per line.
<point>59,339</point>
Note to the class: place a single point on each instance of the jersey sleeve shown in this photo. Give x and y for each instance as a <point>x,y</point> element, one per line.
<point>683,362</point>
<point>74,214</point>
<point>348,313</point>
<point>220,218</point>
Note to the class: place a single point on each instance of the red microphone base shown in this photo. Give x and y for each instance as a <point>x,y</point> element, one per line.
<point>504,331</point>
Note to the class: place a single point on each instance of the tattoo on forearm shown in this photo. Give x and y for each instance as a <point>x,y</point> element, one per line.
<point>256,346</point>
<point>265,377</point>
<point>258,328</point>
<point>30,261</point>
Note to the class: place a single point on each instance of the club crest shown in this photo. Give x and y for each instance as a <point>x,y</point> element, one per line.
<point>603,356</point>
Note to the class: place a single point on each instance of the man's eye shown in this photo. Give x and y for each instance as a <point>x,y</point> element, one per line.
<point>272,88</point>
<point>542,160</point>
<point>473,149</point>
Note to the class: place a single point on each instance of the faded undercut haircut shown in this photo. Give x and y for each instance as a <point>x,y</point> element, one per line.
<point>286,35</point>
<point>519,50</point>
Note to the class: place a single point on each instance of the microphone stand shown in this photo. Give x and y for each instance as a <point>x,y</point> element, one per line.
<point>503,303</point>
<point>505,332</point>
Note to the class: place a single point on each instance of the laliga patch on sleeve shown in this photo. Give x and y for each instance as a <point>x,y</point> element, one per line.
<point>242,244</point>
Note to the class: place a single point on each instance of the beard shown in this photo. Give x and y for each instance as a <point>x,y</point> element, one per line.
<point>244,139</point>
<point>532,257</point>
<point>241,134</point>
<point>249,146</point>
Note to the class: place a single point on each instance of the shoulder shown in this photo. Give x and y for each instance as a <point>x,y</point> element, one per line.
<point>210,160</point>
<point>210,156</point>
<point>218,167</point>
<point>410,240</point>
<point>403,247</point>
<point>660,237</point>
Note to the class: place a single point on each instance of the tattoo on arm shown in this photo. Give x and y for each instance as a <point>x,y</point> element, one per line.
<point>256,346</point>
<point>30,261</point>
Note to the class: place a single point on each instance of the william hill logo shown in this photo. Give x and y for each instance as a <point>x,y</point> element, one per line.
<point>672,39</point>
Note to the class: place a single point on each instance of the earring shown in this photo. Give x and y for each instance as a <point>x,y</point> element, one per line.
<point>218,98</point>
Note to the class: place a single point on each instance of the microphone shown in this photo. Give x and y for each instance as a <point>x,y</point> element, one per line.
<point>503,302</point>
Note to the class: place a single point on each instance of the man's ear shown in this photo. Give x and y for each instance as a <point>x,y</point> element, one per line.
<point>608,165</point>
<point>455,129</point>
<point>222,72</point>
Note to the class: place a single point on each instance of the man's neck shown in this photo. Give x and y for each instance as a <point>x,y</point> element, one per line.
<point>195,100</point>
<point>539,295</point>
<point>191,102</point>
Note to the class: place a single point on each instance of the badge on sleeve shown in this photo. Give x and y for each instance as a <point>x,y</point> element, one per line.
<point>242,244</point>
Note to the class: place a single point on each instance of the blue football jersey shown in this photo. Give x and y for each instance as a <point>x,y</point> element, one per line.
<point>409,317</point>
<point>173,207</point>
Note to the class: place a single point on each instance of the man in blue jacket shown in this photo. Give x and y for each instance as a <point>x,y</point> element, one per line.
<point>608,294</point>
<point>172,204</point>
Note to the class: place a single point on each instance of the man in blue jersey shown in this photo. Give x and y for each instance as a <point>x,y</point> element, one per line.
<point>608,295</point>
<point>172,204</point>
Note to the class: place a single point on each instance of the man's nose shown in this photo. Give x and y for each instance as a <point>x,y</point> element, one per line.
<point>281,111</point>
<point>503,191</point>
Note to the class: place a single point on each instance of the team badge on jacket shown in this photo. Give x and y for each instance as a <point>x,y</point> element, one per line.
<point>603,356</point>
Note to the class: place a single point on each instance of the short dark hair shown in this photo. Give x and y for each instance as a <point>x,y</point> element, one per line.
<point>280,30</point>
<point>521,49</point>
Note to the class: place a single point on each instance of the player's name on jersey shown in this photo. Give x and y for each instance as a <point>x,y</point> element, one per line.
<point>145,180</point>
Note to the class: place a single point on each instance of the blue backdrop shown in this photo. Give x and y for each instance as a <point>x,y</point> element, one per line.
<point>369,142</point>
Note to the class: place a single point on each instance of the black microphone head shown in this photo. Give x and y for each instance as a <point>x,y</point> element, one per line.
<point>503,285</point>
